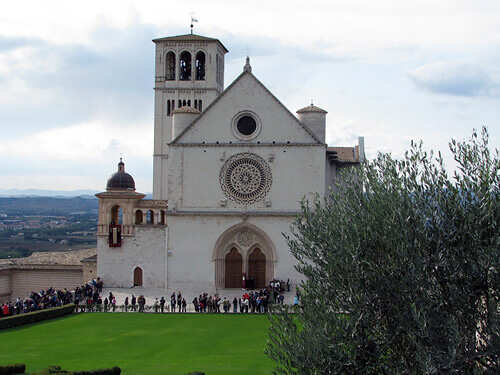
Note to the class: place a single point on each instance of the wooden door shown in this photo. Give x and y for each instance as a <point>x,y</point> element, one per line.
<point>257,268</point>
<point>233,269</point>
<point>138,276</point>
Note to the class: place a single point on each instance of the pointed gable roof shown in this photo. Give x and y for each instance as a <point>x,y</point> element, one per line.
<point>228,89</point>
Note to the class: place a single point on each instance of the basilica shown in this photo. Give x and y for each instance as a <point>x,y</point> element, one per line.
<point>230,166</point>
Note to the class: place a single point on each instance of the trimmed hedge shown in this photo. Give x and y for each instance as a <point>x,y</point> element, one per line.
<point>51,370</point>
<point>105,371</point>
<point>57,370</point>
<point>37,316</point>
<point>17,368</point>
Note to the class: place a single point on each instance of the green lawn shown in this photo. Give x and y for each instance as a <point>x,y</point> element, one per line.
<point>142,343</point>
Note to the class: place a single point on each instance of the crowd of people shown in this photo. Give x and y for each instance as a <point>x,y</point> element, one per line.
<point>88,298</point>
<point>41,300</point>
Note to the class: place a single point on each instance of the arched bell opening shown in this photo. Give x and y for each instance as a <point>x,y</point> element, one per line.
<point>170,66</point>
<point>200,66</point>
<point>116,215</point>
<point>185,66</point>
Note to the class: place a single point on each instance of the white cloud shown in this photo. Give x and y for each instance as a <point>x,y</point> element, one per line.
<point>91,141</point>
<point>76,81</point>
<point>461,78</point>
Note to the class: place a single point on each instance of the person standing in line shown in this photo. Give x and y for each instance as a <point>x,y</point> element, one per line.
<point>184,305</point>
<point>172,303</point>
<point>142,303</point>
<point>162,304</point>
<point>99,304</point>
<point>126,303</point>
<point>179,302</point>
<point>235,304</point>
<point>133,301</point>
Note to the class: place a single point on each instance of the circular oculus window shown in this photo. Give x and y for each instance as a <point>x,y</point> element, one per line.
<point>246,126</point>
<point>245,178</point>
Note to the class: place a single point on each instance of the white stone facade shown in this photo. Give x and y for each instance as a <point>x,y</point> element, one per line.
<point>230,168</point>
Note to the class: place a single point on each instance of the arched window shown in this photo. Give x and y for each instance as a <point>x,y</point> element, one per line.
<point>185,66</point>
<point>200,66</point>
<point>170,66</point>
<point>150,217</point>
<point>161,219</point>
<point>200,105</point>
<point>138,217</point>
<point>196,103</point>
<point>116,215</point>
<point>169,111</point>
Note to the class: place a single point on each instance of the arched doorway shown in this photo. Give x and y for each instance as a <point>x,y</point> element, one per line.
<point>257,268</point>
<point>233,269</point>
<point>138,276</point>
<point>249,245</point>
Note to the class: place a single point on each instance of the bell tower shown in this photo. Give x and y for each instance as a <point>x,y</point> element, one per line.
<point>189,72</point>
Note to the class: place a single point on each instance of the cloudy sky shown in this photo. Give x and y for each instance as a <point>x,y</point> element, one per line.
<point>76,78</point>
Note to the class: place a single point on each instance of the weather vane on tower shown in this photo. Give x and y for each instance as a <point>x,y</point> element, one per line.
<point>193,20</point>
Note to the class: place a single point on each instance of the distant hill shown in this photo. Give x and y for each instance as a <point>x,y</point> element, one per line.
<point>86,194</point>
<point>47,193</point>
<point>47,205</point>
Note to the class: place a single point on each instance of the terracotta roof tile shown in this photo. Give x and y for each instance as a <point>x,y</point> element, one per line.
<point>186,109</point>
<point>66,258</point>
<point>311,108</point>
<point>345,154</point>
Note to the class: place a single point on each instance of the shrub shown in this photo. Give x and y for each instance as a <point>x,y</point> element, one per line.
<point>51,370</point>
<point>37,316</point>
<point>17,368</point>
<point>105,371</point>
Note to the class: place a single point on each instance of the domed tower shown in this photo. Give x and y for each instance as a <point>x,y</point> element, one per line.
<point>116,206</point>
<point>120,180</point>
<point>315,119</point>
<point>189,72</point>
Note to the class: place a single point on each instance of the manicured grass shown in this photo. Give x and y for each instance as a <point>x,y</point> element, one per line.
<point>142,343</point>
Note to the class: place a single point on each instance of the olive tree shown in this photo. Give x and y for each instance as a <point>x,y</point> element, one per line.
<point>400,270</point>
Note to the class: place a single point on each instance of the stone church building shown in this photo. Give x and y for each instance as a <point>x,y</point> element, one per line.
<point>230,167</point>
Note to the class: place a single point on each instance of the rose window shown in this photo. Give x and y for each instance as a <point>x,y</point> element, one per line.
<point>245,178</point>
